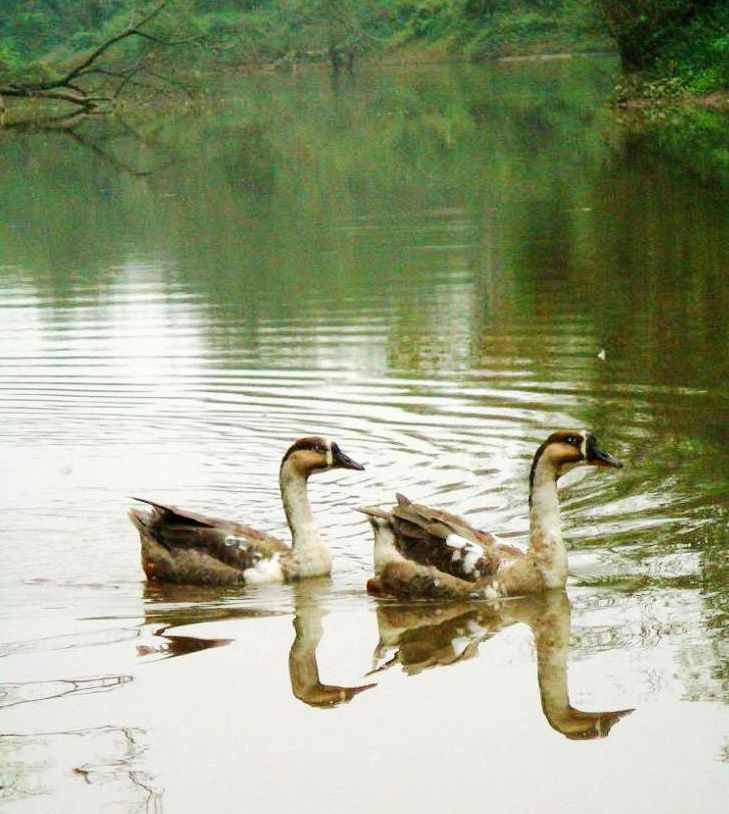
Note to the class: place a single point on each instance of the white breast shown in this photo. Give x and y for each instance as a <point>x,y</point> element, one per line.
<point>267,569</point>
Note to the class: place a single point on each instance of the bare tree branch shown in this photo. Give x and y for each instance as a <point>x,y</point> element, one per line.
<point>131,30</point>
<point>65,87</point>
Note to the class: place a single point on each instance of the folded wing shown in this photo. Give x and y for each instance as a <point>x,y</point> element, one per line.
<point>435,538</point>
<point>230,543</point>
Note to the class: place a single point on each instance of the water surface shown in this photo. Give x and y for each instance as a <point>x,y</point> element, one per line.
<point>435,267</point>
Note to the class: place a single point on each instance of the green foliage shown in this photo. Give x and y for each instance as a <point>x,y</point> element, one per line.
<point>699,52</point>
<point>691,139</point>
<point>488,28</point>
<point>289,30</point>
<point>686,39</point>
<point>508,33</point>
<point>640,27</point>
<point>692,58</point>
<point>492,28</point>
<point>427,19</point>
<point>14,68</point>
<point>35,28</point>
<point>679,63</point>
<point>650,33</point>
<point>295,30</point>
<point>9,59</point>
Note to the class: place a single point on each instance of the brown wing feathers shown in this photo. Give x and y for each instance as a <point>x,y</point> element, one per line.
<point>236,545</point>
<point>422,535</point>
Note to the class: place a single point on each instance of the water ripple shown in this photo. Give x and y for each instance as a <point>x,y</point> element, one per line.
<point>142,393</point>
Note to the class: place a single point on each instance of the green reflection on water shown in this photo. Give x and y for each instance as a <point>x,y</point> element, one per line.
<point>472,223</point>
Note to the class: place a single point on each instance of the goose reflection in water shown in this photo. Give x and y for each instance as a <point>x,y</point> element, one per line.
<point>415,636</point>
<point>303,665</point>
<point>418,637</point>
<point>166,610</point>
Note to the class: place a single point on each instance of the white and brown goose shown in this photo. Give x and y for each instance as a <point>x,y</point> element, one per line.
<point>427,553</point>
<point>179,546</point>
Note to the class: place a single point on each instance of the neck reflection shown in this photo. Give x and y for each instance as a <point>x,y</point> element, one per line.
<point>415,636</point>
<point>303,665</point>
<point>419,637</point>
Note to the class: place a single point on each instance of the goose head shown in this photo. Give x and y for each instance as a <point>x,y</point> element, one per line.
<point>566,449</point>
<point>316,454</point>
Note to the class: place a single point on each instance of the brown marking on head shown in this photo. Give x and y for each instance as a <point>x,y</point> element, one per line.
<point>317,454</point>
<point>566,449</point>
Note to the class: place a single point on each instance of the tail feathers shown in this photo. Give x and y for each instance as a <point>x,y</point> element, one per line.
<point>161,507</point>
<point>383,514</point>
<point>378,518</point>
<point>140,519</point>
<point>164,514</point>
<point>373,512</point>
<point>144,522</point>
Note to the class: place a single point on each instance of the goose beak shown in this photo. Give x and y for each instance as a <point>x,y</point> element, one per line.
<point>342,461</point>
<point>598,457</point>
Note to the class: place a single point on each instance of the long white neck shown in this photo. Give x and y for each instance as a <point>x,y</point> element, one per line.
<point>546,546</point>
<point>310,554</point>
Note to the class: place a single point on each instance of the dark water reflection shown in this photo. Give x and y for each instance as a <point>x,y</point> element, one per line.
<point>435,267</point>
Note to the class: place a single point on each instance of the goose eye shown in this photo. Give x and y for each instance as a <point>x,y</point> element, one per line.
<point>570,439</point>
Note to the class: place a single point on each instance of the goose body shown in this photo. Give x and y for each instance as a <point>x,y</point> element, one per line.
<point>184,547</point>
<point>422,552</point>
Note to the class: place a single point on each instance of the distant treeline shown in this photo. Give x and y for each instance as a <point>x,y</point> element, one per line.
<point>684,39</point>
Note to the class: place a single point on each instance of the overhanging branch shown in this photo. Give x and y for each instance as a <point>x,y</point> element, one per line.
<point>65,86</point>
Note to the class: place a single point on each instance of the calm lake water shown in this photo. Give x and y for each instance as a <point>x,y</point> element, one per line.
<point>436,267</point>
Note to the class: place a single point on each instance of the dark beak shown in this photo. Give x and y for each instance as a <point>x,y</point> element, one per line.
<point>598,457</point>
<point>342,461</point>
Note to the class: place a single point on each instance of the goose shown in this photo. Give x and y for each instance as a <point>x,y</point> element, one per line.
<point>421,552</point>
<point>183,547</point>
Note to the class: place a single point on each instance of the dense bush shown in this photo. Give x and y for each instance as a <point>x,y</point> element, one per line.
<point>698,53</point>
<point>684,37</point>
<point>483,29</point>
<point>642,27</point>
<point>530,27</point>
<point>670,46</point>
<point>34,28</point>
